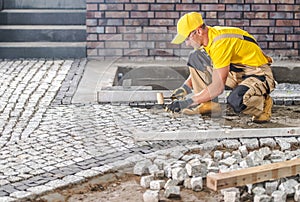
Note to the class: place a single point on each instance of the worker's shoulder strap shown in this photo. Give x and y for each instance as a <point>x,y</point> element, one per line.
<point>239,36</point>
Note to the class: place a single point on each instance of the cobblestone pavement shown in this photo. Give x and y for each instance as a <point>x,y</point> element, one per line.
<point>46,142</point>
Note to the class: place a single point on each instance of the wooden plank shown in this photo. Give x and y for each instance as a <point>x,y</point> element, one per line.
<point>253,175</point>
<point>217,134</point>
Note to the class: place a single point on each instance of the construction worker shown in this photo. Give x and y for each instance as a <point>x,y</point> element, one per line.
<point>236,61</point>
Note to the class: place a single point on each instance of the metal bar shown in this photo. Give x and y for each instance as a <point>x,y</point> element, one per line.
<point>217,134</point>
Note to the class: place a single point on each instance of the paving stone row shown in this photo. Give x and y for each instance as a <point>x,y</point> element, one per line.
<point>70,83</point>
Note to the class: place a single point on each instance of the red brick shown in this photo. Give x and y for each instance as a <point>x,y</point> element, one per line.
<point>293,37</point>
<point>133,37</point>
<point>281,15</point>
<point>96,14</point>
<point>262,7</point>
<point>136,22</point>
<point>244,7</point>
<point>94,1</point>
<point>231,1</point>
<point>282,2</point>
<point>215,22</point>
<point>262,23</point>
<point>288,8</point>
<point>257,30</point>
<point>186,1</point>
<point>91,30</point>
<point>167,15</point>
<point>166,1</point>
<point>135,14</point>
<point>211,15</point>
<point>126,29</point>
<point>92,37</point>
<point>135,52</point>
<point>110,52</point>
<point>281,30</point>
<point>165,22</point>
<point>281,45</point>
<point>207,1</point>
<point>111,22</point>
<point>137,7</point>
<point>95,44</point>
<point>111,7</point>
<point>119,14</point>
<point>294,23</point>
<point>278,37</point>
<point>92,52</point>
<point>256,15</point>
<point>230,15</point>
<point>160,37</point>
<point>91,7</point>
<point>154,29</point>
<point>237,23</point>
<point>162,7</point>
<point>110,37</point>
<point>91,22</point>
<point>141,44</point>
<point>110,30</point>
<point>163,44</point>
<point>212,7</point>
<point>142,1</point>
<point>264,37</point>
<point>187,7</point>
<point>257,1</point>
<point>116,44</point>
<point>117,1</point>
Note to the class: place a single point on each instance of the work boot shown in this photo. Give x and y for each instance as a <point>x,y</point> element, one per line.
<point>207,108</point>
<point>267,112</point>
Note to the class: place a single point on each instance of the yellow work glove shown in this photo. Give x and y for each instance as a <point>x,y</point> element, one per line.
<point>180,93</point>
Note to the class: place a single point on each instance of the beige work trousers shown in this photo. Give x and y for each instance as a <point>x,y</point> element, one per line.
<point>255,83</point>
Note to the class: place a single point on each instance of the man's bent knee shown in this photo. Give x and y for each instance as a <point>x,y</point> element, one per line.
<point>235,99</point>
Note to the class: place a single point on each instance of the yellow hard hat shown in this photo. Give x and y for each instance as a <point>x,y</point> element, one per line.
<point>185,25</point>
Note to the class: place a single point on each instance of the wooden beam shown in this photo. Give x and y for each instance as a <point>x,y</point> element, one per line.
<point>253,175</point>
<point>217,134</point>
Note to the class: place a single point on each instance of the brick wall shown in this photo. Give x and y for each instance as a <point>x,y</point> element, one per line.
<point>143,29</point>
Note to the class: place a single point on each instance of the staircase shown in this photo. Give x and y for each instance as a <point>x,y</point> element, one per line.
<point>42,29</point>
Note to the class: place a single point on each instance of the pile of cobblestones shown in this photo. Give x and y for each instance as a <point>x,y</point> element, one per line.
<point>187,168</point>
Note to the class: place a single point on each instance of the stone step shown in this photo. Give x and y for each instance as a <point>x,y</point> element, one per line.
<point>43,50</point>
<point>38,33</point>
<point>43,17</point>
<point>46,4</point>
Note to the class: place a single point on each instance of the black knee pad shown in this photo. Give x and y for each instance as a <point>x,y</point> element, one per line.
<point>235,99</point>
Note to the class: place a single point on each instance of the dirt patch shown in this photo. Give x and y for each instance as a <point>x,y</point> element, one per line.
<point>282,116</point>
<point>128,189</point>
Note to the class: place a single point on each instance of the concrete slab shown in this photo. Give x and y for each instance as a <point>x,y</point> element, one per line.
<point>101,74</point>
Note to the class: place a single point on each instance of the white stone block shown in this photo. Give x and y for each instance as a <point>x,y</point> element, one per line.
<point>141,167</point>
<point>172,192</point>
<point>193,167</point>
<point>197,183</point>
<point>244,151</point>
<point>151,196</point>
<point>262,198</point>
<point>297,193</point>
<point>271,186</point>
<point>288,186</point>
<point>171,182</point>
<point>278,196</point>
<point>179,174</point>
<point>145,181</point>
<point>157,184</point>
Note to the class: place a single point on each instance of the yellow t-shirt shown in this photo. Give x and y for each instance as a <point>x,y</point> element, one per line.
<point>226,51</point>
